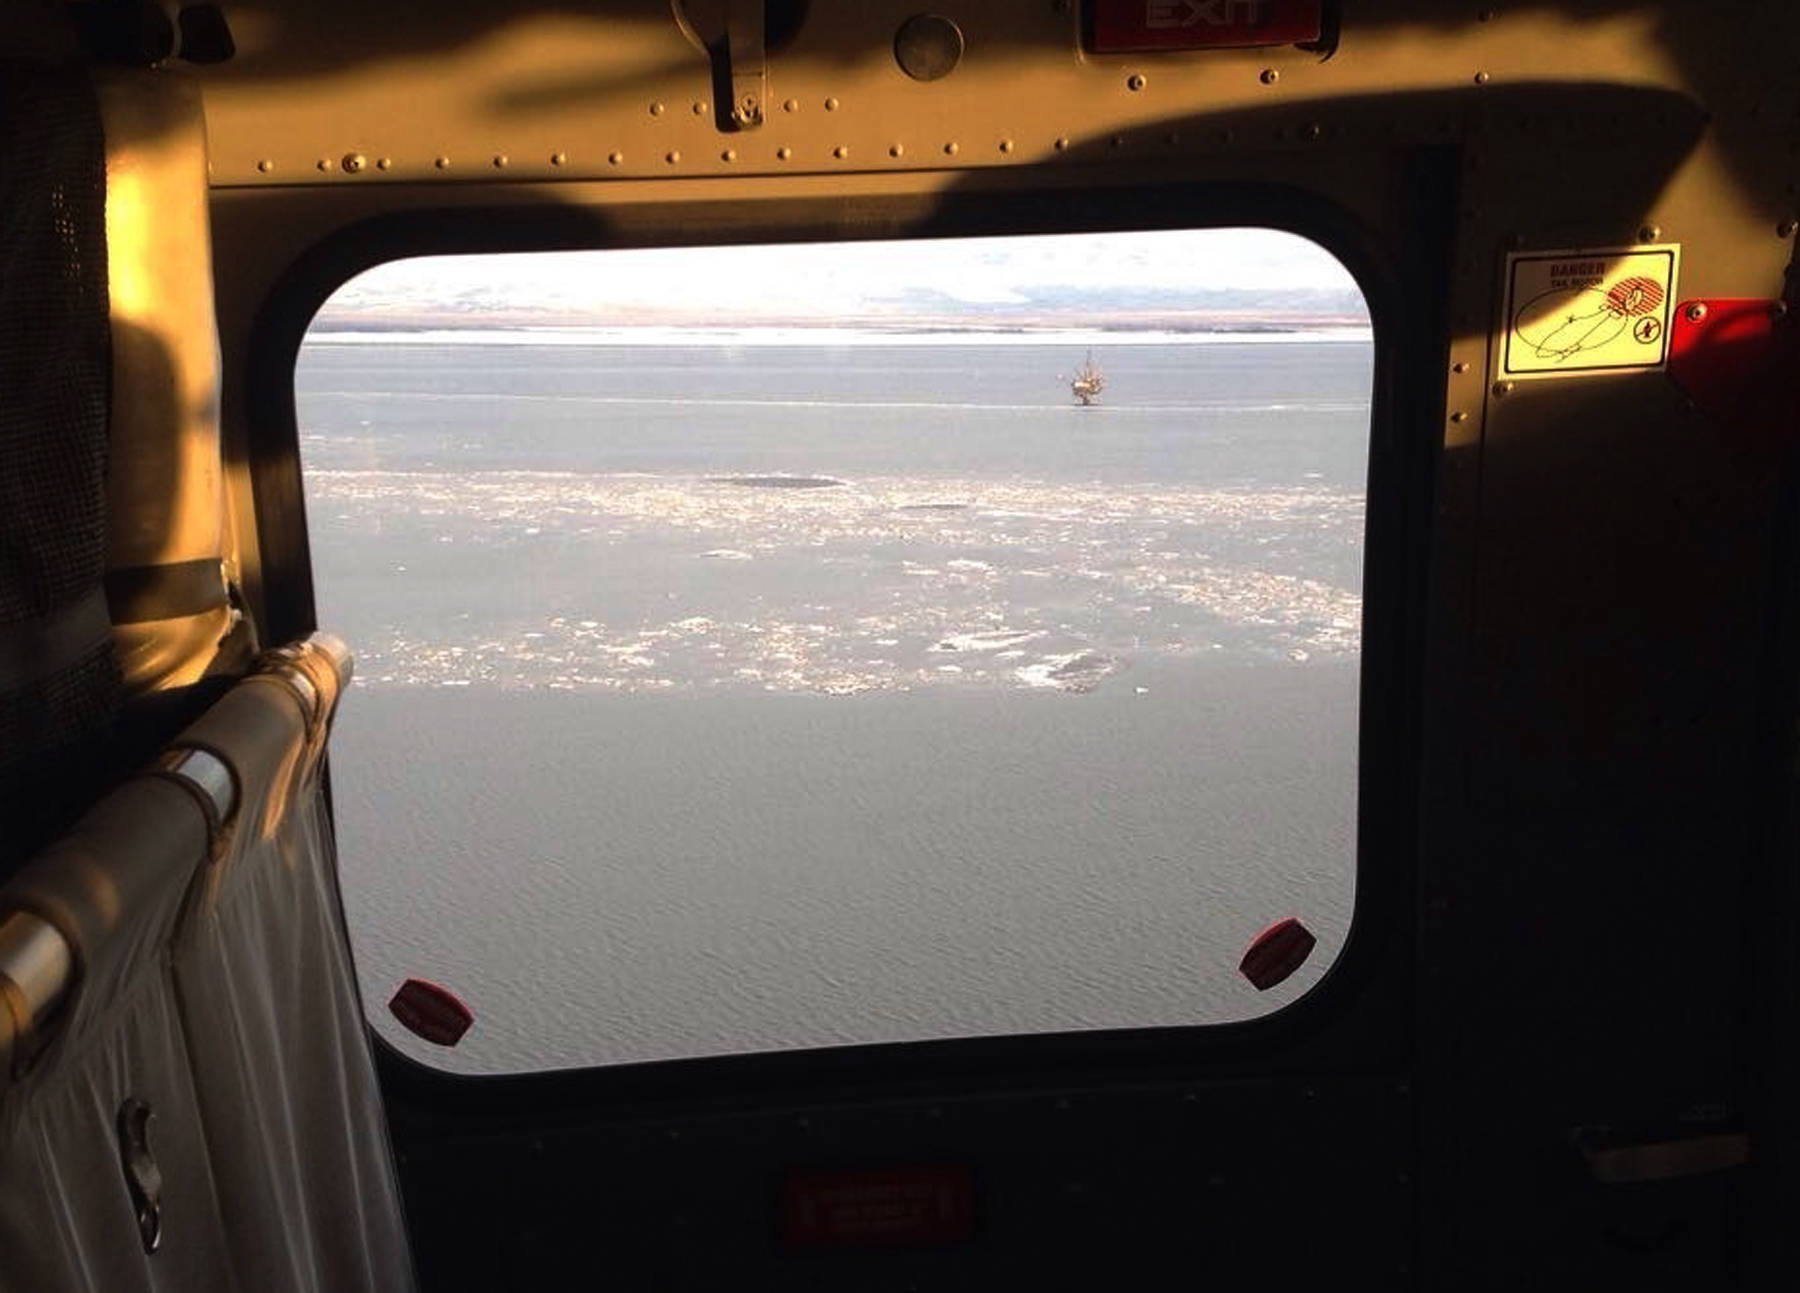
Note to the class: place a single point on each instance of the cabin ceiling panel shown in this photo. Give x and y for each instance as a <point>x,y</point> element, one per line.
<point>547,91</point>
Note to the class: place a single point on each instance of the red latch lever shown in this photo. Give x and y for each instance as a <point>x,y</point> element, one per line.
<point>1276,953</point>
<point>431,1011</point>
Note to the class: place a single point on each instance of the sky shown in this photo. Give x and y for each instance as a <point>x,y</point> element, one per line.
<point>827,279</point>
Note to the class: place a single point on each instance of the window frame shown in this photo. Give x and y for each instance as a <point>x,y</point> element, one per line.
<point>1367,991</point>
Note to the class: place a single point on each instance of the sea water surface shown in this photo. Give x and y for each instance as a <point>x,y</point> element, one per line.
<point>718,698</point>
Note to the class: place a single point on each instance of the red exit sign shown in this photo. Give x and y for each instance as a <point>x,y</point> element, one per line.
<point>898,1207</point>
<point>1124,26</point>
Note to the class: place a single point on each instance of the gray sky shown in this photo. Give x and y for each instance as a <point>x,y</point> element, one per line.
<point>824,280</point>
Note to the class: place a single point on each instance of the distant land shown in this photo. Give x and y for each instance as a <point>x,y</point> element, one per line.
<point>1037,309</point>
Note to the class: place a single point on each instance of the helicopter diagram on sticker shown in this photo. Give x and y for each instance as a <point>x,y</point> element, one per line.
<point>1581,311</point>
<point>1592,319</point>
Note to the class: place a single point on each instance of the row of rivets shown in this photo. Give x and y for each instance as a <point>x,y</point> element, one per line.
<point>356,163</point>
<point>658,107</point>
<point>1268,76</point>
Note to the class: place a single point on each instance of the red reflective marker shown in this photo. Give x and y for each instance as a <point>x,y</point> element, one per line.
<point>1276,953</point>
<point>431,1011</point>
<point>1130,26</point>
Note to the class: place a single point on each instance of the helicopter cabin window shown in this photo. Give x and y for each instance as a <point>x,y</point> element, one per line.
<point>780,647</point>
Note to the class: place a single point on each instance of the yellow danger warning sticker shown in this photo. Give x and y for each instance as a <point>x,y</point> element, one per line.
<point>1588,311</point>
